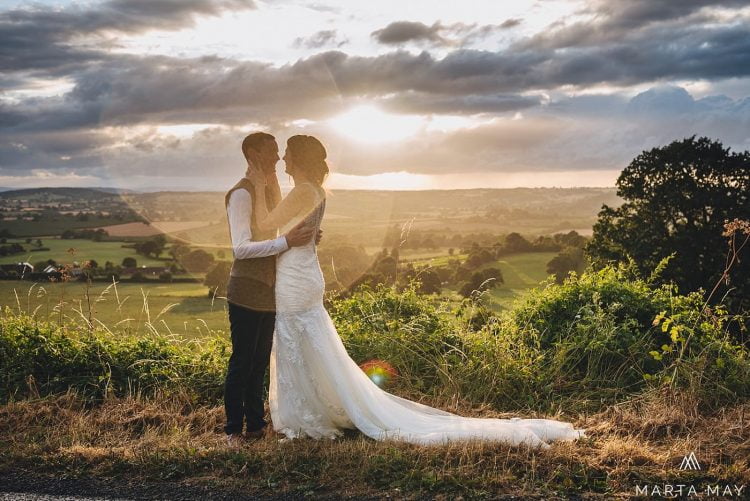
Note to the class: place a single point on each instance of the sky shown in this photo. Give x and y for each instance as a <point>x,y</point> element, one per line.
<point>158,94</point>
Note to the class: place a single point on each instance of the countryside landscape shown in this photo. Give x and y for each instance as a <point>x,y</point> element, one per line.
<point>162,251</point>
<point>533,214</point>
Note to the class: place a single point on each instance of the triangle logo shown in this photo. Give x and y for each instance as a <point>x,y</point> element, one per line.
<point>690,462</point>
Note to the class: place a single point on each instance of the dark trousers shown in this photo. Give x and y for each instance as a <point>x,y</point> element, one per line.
<point>252,339</point>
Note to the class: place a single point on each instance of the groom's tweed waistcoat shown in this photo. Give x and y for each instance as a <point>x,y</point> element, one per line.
<point>251,281</point>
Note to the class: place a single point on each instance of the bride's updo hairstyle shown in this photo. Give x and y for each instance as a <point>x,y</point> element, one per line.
<point>309,155</point>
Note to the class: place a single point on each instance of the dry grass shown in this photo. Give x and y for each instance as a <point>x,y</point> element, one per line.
<point>642,441</point>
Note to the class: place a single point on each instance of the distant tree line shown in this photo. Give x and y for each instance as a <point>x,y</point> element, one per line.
<point>97,235</point>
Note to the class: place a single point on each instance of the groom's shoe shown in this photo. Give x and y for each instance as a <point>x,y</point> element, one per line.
<point>256,434</point>
<point>235,440</point>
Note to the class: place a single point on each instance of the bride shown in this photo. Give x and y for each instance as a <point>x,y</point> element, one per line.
<point>316,389</point>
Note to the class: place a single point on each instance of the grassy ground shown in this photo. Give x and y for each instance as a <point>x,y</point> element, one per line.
<point>170,308</point>
<point>83,250</point>
<point>640,443</point>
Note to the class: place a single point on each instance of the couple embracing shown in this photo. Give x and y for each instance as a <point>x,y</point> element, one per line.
<point>277,318</point>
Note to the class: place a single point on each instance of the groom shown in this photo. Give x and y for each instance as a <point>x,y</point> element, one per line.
<point>250,291</point>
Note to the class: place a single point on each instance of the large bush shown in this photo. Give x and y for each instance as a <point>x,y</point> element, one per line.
<point>614,333</point>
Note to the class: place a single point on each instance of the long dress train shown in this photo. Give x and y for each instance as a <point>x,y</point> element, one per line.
<point>317,390</point>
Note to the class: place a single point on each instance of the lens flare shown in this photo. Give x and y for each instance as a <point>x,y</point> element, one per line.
<point>380,372</point>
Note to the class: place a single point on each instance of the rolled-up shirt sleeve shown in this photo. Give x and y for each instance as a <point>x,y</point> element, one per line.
<point>243,247</point>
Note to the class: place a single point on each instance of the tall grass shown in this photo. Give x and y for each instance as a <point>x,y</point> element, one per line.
<point>598,338</point>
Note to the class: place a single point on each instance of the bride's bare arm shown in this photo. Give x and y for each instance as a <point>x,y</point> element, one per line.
<point>299,201</point>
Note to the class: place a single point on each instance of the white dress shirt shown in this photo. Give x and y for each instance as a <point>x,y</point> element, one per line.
<point>239,211</point>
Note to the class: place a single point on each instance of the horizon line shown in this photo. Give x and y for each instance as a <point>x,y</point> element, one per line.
<point>171,189</point>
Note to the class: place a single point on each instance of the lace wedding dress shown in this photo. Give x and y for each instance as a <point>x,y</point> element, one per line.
<point>316,389</point>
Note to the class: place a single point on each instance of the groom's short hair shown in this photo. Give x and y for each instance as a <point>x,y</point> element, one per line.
<point>255,140</point>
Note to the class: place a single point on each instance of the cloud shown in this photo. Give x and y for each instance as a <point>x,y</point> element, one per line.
<point>407,31</point>
<point>437,34</point>
<point>124,16</point>
<point>41,39</point>
<point>510,23</point>
<point>617,21</point>
<point>324,38</point>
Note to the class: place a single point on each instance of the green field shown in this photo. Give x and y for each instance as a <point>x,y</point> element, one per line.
<point>521,272</point>
<point>83,250</point>
<point>169,308</point>
<point>55,225</point>
<point>187,309</point>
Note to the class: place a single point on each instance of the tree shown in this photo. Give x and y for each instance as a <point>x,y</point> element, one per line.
<point>428,278</point>
<point>152,247</point>
<point>486,279</point>
<point>217,278</point>
<point>129,262</point>
<point>677,199</point>
<point>570,259</point>
<point>146,248</point>
<point>515,242</point>
<point>570,239</point>
<point>178,251</point>
<point>197,261</point>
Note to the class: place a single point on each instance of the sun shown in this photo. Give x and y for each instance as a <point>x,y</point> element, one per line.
<point>369,124</point>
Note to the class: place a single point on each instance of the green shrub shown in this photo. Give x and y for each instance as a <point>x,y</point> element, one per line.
<point>402,327</point>
<point>40,357</point>
<point>614,334</point>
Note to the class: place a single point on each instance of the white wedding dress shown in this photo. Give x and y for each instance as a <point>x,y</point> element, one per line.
<point>316,389</point>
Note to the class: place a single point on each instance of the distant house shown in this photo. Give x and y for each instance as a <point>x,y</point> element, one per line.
<point>19,269</point>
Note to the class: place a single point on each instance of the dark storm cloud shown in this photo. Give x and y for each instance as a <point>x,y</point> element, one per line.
<point>407,31</point>
<point>40,39</point>
<point>621,20</point>
<point>635,13</point>
<point>125,16</point>
<point>437,34</point>
<point>323,38</point>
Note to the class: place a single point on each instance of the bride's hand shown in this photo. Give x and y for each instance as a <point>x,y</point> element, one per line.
<point>255,175</point>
